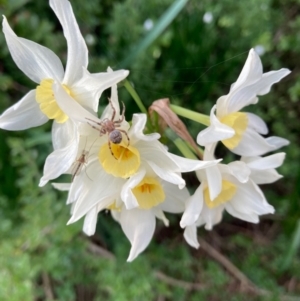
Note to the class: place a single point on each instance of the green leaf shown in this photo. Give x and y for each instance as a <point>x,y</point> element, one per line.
<point>292,249</point>
<point>160,26</point>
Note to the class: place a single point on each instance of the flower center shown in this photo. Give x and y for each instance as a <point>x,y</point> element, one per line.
<point>149,193</point>
<point>48,105</point>
<point>121,160</point>
<point>226,194</point>
<point>239,122</point>
<point>113,206</point>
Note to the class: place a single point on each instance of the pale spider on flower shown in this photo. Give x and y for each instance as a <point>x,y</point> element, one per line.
<point>111,127</point>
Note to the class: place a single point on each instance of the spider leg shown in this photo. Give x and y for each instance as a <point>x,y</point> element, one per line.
<point>75,172</point>
<point>99,123</point>
<point>109,145</point>
<point>101,130</point>
<point>86,173</point>
<point>114,110</point>
<point>122,115</point>
<point>94,127</point>
<point>128,139</point>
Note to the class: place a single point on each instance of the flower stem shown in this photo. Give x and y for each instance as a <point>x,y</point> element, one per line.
<point>201,118</point>
<point>135,96</point>
<point>184,149</point>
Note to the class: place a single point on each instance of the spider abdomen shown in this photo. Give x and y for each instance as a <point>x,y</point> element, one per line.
<point>115,136</point>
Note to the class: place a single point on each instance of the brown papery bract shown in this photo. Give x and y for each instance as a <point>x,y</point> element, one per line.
<point>169,118</point>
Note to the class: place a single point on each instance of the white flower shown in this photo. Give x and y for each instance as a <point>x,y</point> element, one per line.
<point>116,168</point>
<point>239,131</point>
<point>223,187</point>
<point>42,66</point>
<point>136,177</point>
<point>154,197</point>
<point>138,224</point>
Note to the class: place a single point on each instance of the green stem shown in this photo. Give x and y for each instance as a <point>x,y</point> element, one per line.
<point>184,149</point>
<point>135,96</point>
<point>201,118</point>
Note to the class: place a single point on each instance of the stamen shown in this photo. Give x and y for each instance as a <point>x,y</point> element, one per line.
<point>239,122</point>
<point>121,161</point>
<point>227,193</point>
<point>149,193</point>
<point>48,105</point>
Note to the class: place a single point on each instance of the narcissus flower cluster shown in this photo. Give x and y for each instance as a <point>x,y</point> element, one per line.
<point>120,166</point>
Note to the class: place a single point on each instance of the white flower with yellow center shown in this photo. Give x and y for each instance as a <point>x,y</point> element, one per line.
<point>42,66</point>
<point>154,197</point>
<point>114,170</point>
<point>223,187</point>
<point>239,131</point>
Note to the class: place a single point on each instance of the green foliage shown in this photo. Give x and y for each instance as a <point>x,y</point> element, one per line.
<point>193,63</point>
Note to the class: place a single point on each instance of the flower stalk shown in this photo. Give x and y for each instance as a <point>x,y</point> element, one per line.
<point>184,149</point>
<point>200,118</point>
<point>135,96</point>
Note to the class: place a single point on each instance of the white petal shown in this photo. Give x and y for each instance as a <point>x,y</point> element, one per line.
<point>60,160</point>
<point>160,215</point>
<point>277,142</point>
<point>190,235</point>
<point>62,186</point>
<point>155,152</point>
<point>252,144</point>
<point>272,161</point>
<point>102,191</point>
<point>248,217</point>
<point>241,98</point>
<point>265,176</point>
<point>257,124</point>
<point>210,217</point>
<point>270,78</point>
<point>36,61</point>
<point>215,132</point>
<point>77,50</point>
<point>249,200</point>
<point>23,115</point>
<point>108,111</point>
<point>239,170</point>
<point>246,95</point>
<point>71,107</point>
<point>175,198</point>
<point>187,165</point>
<point>90,221</point>
<point>214,180</point>
<point>221,106</point>
<point>90,87</point>
<point>127,196</point>
<point>251,73</point>
<point>168,175</point>
<point>137,128</point>
<point>72,208</point>
<point>61,133</point>
<point>193,208</point>
<point>209,152</point>
<point>138,226</point>
<point>78,187</point>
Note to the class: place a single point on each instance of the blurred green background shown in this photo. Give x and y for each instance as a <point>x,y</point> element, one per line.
<point>193,62</point>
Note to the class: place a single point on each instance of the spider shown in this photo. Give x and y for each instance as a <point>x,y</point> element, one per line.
<point>110,127</point>
<point>81,161</point>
